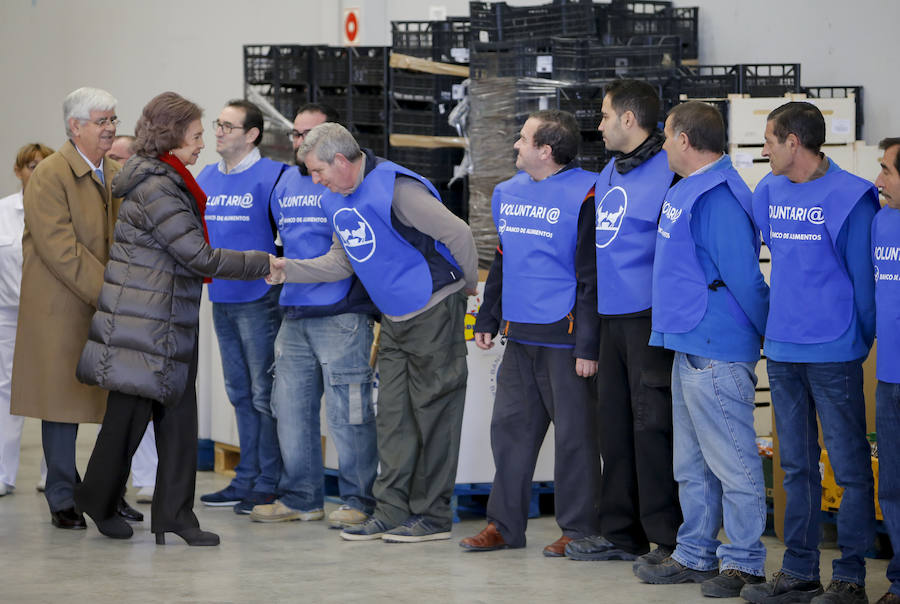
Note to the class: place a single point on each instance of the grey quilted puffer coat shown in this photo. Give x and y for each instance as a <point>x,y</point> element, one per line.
<point>144,332</point>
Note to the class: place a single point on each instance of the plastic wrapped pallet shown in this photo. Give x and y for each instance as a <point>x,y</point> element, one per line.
<point>498,108</point>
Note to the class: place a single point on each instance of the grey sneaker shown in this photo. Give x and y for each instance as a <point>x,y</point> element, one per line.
<point>596,548</point>
<point>671,571</point>
<point>842,592</point>
<point>728,583</point>
<point>371,529</point>
<point>415,529</point>
<point>655,557</point>
<point>781,588</point>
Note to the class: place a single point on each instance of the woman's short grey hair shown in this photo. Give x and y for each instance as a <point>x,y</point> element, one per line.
<point>81,102</point>
<point>329,139</point>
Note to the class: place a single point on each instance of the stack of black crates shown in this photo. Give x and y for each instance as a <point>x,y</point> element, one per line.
<point>422,96</point>
<point>352,80</point>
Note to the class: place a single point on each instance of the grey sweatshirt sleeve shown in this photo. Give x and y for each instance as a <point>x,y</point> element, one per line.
<point>416,207</point>
<point>331,266</point>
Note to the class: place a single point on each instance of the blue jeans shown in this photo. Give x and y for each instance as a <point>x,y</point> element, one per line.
<point>331,355</point>
<point>887,425</point>
<point>246,332</point>
<point>717,464</point>
<point>835,392</point>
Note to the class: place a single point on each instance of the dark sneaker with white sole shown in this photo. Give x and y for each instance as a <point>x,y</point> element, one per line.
<point>371,529</point>
<point>416,529</point>
<point>671,571</point>
<point>728,583</point>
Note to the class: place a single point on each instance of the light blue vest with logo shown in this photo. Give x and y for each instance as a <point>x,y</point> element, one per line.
<point>538,226</point>
<point>811,295</point>
<point>886,257</point>
<point>396,274</point>
<point>628,208</point>
<point>305,233</point>
<point>680,289</point>
<point>237,218</point>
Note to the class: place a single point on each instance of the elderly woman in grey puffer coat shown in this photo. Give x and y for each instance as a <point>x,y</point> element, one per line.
<point>143,339</point>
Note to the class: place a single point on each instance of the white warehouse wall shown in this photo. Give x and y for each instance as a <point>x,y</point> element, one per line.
<point>138,49</point>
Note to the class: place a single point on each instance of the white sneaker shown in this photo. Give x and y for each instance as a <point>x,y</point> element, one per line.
<point>39,487</point>
<point>4,489</point>
<point>145,495</point>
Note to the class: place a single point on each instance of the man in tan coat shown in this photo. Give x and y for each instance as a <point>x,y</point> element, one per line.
<point>69,219</point>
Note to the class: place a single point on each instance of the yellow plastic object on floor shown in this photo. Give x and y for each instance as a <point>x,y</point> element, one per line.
<point>832,493</point>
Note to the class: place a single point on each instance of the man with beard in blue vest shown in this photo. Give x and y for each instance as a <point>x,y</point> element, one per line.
<point>709,307</point>
<point>323,346</point>
<point>246,315</point>
<point>417,261</point>
<point>535,297</point>
<point>886,255</point>
<point>816,219</point>
<point>638,496</point>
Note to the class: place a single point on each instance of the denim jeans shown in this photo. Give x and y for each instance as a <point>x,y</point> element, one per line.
<point>246,332</point>
<point>835,392</point>
<point>331,355</point>
<point>887,424</point>
<point>717,464</point>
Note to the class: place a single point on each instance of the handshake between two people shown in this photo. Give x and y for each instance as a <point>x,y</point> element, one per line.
<point>276,270</point>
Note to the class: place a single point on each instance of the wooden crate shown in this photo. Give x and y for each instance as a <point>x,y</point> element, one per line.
<point>747,118</point>
<point>226,458</point>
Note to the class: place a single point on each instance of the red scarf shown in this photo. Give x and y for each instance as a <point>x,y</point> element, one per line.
<point>192,186</point>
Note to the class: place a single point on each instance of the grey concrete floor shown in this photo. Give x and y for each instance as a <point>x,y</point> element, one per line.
<point>299,562</point>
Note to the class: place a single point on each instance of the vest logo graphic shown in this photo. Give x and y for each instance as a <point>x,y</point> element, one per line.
<point>227,201</point>
<point>610,213</point>
<point>502,226</point>
<point>356,234</point>
<point>815,214</point>
<point>671,212</point>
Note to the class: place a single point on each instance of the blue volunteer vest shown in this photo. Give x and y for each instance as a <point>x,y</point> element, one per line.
<point>538,225</point>
<point>305,233</point>
<point>628,208</point>
<point>886,257</point>
<point>396,274</point>
<point>811,295</point>
<point>237,218</point>
<point>680,288</point>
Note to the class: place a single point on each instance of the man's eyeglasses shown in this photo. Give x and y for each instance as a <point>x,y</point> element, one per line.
<point>226,127</point>
<point>103,122</point>
<point>294,134</point>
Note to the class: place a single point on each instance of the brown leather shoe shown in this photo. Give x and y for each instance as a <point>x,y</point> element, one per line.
<point>557,549</point>
<point>487,540</point>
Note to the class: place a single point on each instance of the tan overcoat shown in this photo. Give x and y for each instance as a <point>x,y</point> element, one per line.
<point>69,219</point>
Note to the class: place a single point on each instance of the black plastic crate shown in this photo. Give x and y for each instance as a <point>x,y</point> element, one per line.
<point>685,25</point>
<point>583,102</point>
<point>444,41</point>
<point>840,92</point>
<point>369,65</point>
<point>592,153</point>
<point>411,85</point>
<point>769,79</point>
<point>499,22</point>
<point>579,60</point>
<point>371,137</point>
<point>708,81</point>
<point>518,59</point>
<point>428,119</point>
<point>331,66</point>
<point>285,98</point>
<point>368,109</point>
<point>434,164</point>
<point>292,64</point>
<point>336,97</point>
<point>643,7</point>
<point>259,64</point>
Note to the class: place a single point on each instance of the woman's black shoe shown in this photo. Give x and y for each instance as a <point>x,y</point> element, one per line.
<point>191,536</point>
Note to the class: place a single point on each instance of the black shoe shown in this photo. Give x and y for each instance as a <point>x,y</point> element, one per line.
<point>655,557</point>
<point>671,571</point>
<point>728,583</point>
<point>597,547</point>
<point>191,536</point>
<point>68,519</point>
<point>114,527</point>
<point>127,512</point>
<point>842,592</point>
<point>889,598</point>
<point>782,588</point>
